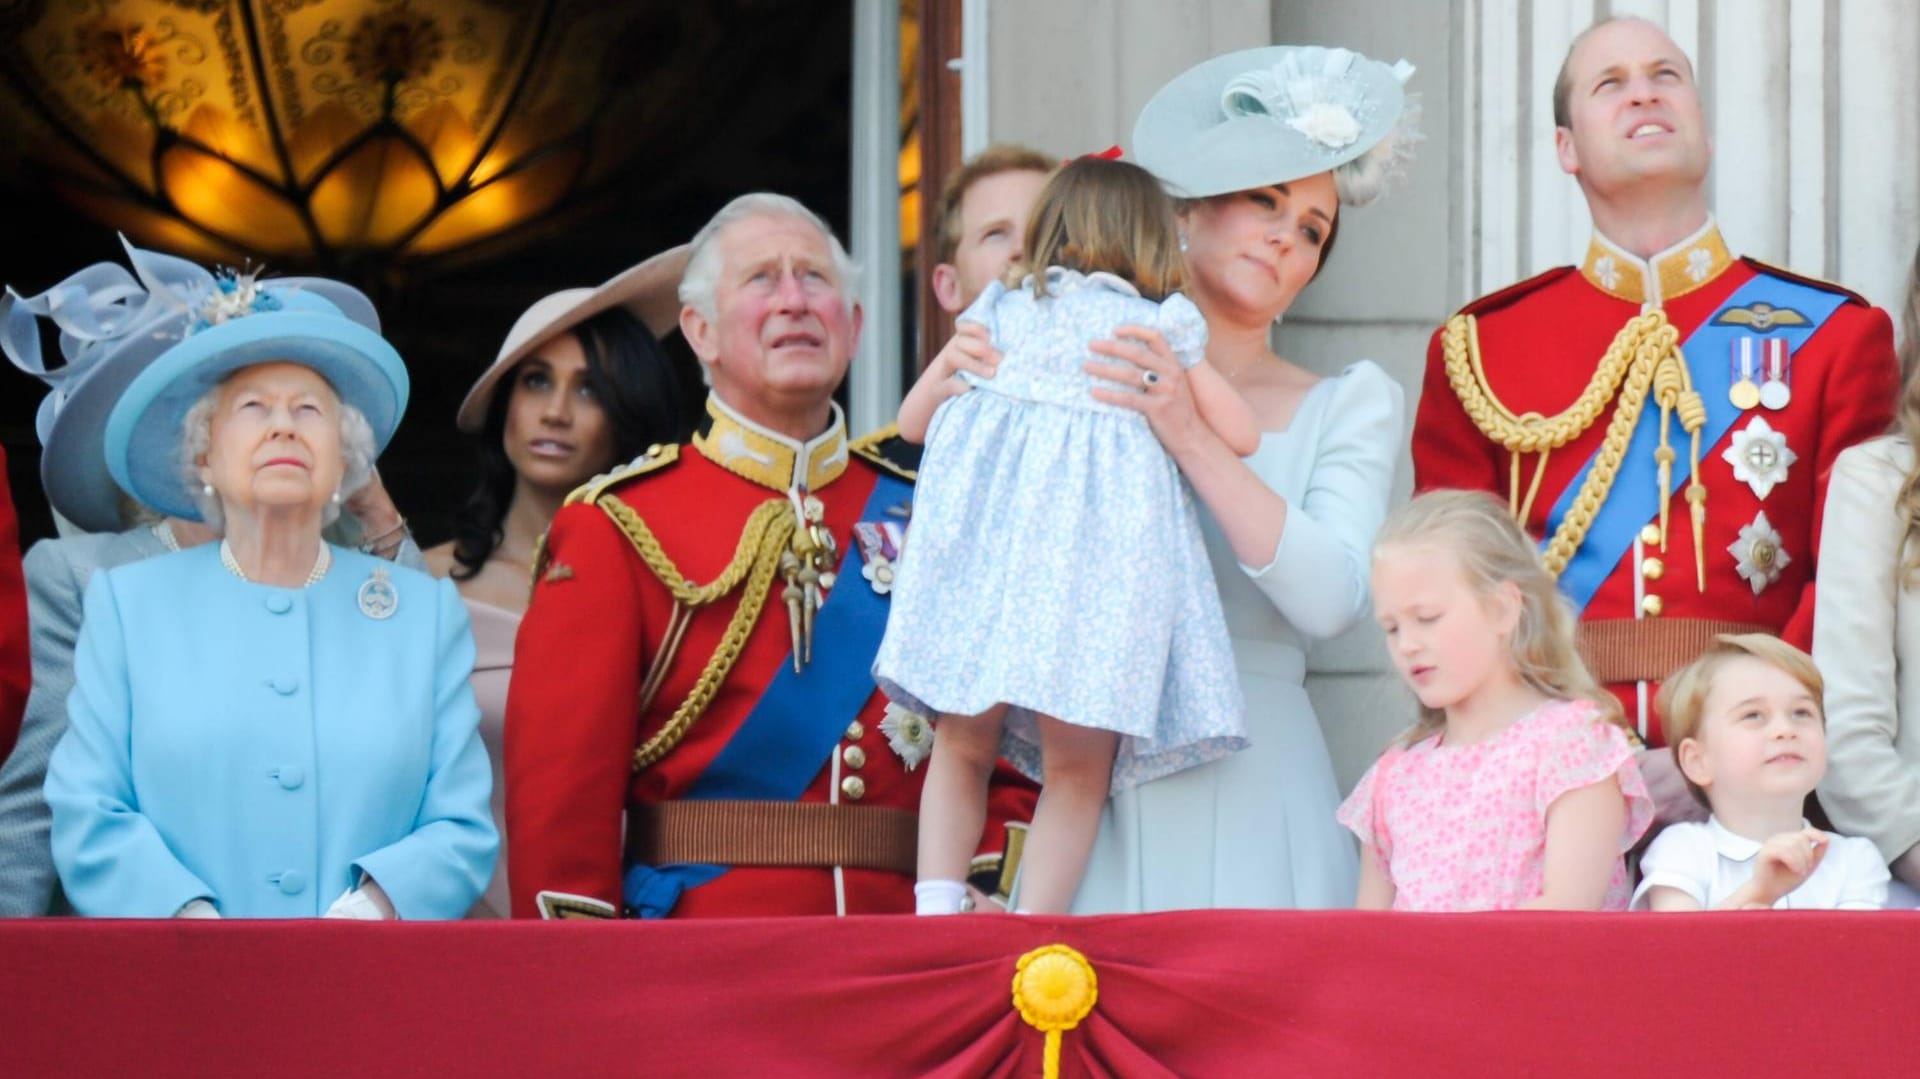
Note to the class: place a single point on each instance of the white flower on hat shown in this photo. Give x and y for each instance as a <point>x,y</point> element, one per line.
<point>1330,125</point>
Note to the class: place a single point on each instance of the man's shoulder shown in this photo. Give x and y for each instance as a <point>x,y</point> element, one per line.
<point>655,461</point>
<point>1533,289</point>
<point>1770,270</point>
<point>887,452</point>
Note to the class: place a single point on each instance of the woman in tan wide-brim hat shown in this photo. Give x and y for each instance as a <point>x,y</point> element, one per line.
<point>581,384</point>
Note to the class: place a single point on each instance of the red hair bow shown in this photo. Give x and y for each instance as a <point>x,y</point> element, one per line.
<point>1111,153</point>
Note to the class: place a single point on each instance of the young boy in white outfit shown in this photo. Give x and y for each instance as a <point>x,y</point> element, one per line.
<point>1750,737</point>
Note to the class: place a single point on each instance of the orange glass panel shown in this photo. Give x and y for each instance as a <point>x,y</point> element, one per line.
<point>500,204</point>
<point>127,145</point>
<point>326,129</point>
<point>211,192</point>
<point>374,196</point>
<point>233,139</point>
<point>448,138</point>
<point>154,230</point>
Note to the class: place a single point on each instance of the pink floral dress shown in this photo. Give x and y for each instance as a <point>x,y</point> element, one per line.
<point>1465,827</point>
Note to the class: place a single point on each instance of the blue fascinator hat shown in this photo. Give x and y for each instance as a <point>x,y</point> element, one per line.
<point>1277,114</point>
<point>114,323</point>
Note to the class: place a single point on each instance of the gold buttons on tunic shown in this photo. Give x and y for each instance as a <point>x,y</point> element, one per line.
<point>1653,605</point>
<point>1652,568</point>
<point>1650,535</point>
<point>856,731</point>
<point>854,756</point>
<point>854,788</point>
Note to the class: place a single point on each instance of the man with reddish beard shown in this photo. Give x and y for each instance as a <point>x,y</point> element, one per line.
<point>692,729</point>
<point>1664,414</point>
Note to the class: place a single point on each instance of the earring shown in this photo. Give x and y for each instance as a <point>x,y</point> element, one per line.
<point>1183,243</point>
<point>336,496</point>
<point>207,489</point>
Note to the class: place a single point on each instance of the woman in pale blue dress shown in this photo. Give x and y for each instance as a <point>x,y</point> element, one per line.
<point>1263,146</point>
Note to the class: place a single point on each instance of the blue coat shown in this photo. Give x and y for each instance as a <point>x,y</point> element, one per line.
<point>261,747</point>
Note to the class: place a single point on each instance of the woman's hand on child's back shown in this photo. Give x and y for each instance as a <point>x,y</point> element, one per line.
<point>1165,398</point>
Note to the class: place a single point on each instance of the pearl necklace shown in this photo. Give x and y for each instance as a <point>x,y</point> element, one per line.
<point>320,564</point>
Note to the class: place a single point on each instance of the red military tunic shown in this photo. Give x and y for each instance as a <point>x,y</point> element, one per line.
<point>15,671</point>
<point>1540,343</point>
<point>598,617</point>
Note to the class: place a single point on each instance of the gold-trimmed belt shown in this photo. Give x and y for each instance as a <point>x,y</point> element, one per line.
<point>1649,649</point>
<point>773,834</point>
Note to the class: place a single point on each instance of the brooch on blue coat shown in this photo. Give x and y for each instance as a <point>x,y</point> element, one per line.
<point>378,598</point>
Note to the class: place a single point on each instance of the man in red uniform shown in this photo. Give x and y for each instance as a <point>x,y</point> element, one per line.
<point>1662,416</point>
<point>15,673</point>
<point>692,726</point>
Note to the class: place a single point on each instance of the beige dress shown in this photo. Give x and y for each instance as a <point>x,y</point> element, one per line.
<point>493,631</point>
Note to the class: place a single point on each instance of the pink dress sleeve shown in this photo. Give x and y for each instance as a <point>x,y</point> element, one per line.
<point>1578,748</point>
<point>1362,812</point>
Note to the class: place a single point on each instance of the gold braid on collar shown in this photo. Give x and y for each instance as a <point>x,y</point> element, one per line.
<point>1645,355</point>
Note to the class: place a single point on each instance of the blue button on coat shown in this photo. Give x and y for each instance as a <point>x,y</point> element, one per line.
<point>194,706</point>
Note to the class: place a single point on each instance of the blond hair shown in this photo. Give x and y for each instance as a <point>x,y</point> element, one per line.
<point>1493,552</point>
<point>992,161</point>
<point>1682,700</point>
<point>1907,422</point>
<point>1097,215</point>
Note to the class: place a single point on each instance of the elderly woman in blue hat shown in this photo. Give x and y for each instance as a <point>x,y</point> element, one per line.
<point>113,321</point>
<point>1262,148</point>
<point>270,726</point>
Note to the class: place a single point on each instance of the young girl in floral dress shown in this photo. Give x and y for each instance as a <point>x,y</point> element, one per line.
<point>1517,788</point>
<point>1054,601</point>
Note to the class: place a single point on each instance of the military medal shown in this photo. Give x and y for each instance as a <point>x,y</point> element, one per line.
<point>880,544</point>
<point>1744,393</point>
<point>377,597</point>
<point>909,734</point>
<point>807,567</point>
<point>1757,554</point>
<point>1774,392</point>
<point>1760,456</point>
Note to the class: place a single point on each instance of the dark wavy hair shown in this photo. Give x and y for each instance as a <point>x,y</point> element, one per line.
<point>649,392</point>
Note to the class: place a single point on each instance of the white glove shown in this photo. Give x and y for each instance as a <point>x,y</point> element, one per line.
<point>197,908</point>
<point>367,903</point>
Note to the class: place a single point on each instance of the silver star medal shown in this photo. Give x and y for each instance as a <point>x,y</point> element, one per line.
<point>377,597</point>
<point>1760,456</point>
<point>909,734</point>
<point>1758,555</point>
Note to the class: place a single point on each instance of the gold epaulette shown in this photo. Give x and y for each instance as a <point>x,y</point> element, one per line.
<point>656,457</point>
<point>872,448</point>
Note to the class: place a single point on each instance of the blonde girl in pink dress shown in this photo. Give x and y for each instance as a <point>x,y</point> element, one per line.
<point>1517,788</point>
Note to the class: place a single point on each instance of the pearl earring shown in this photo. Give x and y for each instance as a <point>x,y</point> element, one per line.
<point>207,489</point>
<point>336,496</point>
<point>1183,243</point>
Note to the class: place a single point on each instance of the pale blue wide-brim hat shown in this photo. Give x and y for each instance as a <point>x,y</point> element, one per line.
<point>1277,114</point>
<point>246,322</point>
<point>113,322</point>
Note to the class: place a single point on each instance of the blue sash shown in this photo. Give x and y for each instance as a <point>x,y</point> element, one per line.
<point>798,720</point>
<point>1635,497</point>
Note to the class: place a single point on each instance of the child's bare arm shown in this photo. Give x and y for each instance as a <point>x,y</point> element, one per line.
<point>970,349</point>
<point>1376,890</point>
<point>1584,827</point>
<point>1223,409</point>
